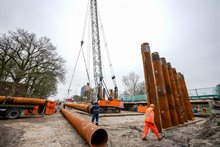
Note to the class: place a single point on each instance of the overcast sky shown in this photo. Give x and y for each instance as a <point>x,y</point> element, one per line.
<point>185,32</point>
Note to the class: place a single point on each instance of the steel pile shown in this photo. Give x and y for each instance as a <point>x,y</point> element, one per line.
<point>166,89</point>
<point>93,135</point>
<point>81,107</point>
<point>21,100</point>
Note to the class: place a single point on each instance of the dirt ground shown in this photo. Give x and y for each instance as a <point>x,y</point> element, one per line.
<point>123,131</point>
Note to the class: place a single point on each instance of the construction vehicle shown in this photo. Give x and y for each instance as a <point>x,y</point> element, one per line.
<point>111,103</point>
<point>15,107</point>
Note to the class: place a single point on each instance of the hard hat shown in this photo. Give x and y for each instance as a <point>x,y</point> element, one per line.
<point>152,105</point>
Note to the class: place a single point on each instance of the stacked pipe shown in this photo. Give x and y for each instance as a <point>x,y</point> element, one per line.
<point>166,89</point>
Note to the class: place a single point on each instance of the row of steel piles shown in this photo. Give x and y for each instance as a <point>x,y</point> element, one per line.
<point>93,135</point>
<point>166,89</point>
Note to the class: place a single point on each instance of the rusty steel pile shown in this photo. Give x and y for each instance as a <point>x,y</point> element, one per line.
<point>166,89</point>
<point>81,107</point>
<point>93,135</point>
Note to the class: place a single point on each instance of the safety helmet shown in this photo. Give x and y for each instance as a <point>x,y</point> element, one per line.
<point>152,105</point>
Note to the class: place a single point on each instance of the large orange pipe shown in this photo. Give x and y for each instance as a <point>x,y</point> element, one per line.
<point>150,82</point>
<point>169,91</point>
<point>161,90</point>
<point>175,94</point>
<point>21,100</point>
<point>186,98</point>
<point>180,95</point>
<point>187,95</point>
<point>94,135</point>
<point>81,107</point>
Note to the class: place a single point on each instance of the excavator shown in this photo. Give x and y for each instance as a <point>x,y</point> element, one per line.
<point>111,103</point>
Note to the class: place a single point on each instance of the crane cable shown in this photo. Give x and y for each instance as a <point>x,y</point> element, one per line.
<point>107,51</point>
<point>81,49</point>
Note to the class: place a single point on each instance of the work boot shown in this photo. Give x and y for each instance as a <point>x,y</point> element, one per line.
<point>144,138</point>
<point>159,139</point>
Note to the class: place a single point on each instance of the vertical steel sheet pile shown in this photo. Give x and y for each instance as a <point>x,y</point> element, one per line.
<point>94,135</point>
<point>161,90</point>
<point>151,89</point>
<point>81,107</point>
<point>166,89</point>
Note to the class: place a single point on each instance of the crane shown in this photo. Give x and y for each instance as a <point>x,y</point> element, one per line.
<point>100,90</point>
<point>97,64</point>
<point>112,103</point>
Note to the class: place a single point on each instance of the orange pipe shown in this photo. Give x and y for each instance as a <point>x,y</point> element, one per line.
<point>180,95</point>
<point>81,107</point>
<point>150,82</point>
<point>175,94</point>
<point>93,135</point>
<point>161,90</point>
<point>187,95</point>
<point>187,104</point>
<point>21,100</point>
<point>169,91</point>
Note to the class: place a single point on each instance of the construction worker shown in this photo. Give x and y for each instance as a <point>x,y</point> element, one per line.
<point>95,114</point>
<point>149,123</point>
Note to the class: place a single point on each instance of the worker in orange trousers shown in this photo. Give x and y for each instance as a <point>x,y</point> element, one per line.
<point>149,123</point>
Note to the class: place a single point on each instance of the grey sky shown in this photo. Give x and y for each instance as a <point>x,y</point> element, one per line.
<point>187,33</point>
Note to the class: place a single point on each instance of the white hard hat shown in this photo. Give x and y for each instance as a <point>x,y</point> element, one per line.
<point>152,105</point>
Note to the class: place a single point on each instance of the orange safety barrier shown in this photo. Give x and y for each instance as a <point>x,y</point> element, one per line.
<point>50,107</point>
<point>141,109</point>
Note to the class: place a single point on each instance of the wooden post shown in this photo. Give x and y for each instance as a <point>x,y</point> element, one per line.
<point>151,91</point>
<point>161,90</point>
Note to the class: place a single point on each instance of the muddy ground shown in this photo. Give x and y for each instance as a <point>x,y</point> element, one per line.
<point>123,131</point>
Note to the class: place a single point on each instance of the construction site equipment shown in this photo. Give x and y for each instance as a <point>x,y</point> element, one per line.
<point>112,103</point>
<point>82,107</point>
<point>15,107</point>
<point>150,83</point>
<point>161,90</point>
<point>93,135</point>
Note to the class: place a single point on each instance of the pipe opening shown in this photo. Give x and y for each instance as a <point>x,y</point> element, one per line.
<point>99,137</point>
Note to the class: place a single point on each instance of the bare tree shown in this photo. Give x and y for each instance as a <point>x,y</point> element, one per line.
<point>130,82</point>
<point>32,62</point>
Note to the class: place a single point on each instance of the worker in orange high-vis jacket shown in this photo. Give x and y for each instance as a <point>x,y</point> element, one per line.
<point>149,123</point>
